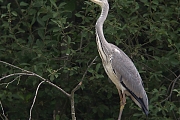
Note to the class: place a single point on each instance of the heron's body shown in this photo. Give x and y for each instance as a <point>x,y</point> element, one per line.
<point>107,63</point>
<point>118,66</point>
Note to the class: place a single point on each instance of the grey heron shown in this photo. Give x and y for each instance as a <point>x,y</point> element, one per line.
<point>119,67</point>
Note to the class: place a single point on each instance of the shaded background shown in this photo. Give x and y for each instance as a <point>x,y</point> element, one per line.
<point>56,39</point>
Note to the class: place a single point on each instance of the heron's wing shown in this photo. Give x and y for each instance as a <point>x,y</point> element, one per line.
<point>125,68</point>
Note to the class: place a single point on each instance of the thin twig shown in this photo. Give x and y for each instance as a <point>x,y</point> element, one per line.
<point>7,84</point>
<point>52,84</point>
<point>3,113</point>
<point>34,100</point>
<point>173,87</point>
<point>2,108</point>
<point>88,68</point>
<point>15,67</point>
<point>174,82</point>
<point>14,74</point>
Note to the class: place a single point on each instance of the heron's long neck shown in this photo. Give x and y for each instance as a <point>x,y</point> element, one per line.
<point>100,22</point>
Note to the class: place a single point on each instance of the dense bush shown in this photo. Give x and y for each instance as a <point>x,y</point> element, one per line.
<point>56,40</point>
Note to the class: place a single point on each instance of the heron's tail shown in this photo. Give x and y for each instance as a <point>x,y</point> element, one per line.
<point>139,101</point>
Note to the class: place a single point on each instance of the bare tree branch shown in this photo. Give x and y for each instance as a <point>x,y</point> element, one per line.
<point>34,100</point>
<point>73,115</point>
<point>76,88</point>
<point>29,73</point>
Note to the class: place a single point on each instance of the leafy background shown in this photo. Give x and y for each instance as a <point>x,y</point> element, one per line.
<point>56,40</point>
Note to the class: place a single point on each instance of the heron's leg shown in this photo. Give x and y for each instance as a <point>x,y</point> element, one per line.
<point>122,102</point>
<point>120,110</point>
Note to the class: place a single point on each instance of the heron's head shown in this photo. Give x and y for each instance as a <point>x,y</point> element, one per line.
<point>100,2</point>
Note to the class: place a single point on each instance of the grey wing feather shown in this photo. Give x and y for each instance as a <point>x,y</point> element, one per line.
<point>123,66</point>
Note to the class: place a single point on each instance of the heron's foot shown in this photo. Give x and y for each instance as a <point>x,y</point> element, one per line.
<point>121,107</point>
<point>120,112</point>
<point>122,104</point>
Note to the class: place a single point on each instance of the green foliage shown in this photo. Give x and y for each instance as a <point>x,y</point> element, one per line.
<point>56,40</point>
